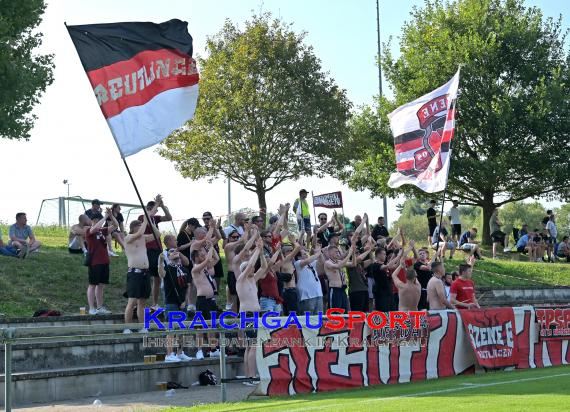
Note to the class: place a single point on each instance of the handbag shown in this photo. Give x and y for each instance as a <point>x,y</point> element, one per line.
<point>87,258</point>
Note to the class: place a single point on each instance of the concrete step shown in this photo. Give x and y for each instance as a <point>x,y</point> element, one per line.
<point>55,385</point>
<point>71,320</point>
<point>78,353</point>
<point>525,296</point>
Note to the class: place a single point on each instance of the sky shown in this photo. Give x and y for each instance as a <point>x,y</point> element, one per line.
<point>71,139</point>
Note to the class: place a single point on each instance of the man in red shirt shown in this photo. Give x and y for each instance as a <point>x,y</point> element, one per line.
<point>153,249</point>
<point>98,260</point>
<point>462,292</point>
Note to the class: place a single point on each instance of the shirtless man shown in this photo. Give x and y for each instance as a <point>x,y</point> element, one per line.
<point>237,250</point>
<point>249,303</point>
<point>202,276</point>
<point>287,275</point>
<point>334,269</point>
<point>77,235</point>
<point>408,293</point>
<point>435,289</point>
<point>138,278</point>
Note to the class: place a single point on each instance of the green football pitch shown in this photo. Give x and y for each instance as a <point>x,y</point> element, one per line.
<point>529,390</point>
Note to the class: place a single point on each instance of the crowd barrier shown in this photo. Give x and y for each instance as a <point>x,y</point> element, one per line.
<point>302,360</point>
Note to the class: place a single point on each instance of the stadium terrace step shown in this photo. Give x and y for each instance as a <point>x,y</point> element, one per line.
<point>525,296</point>
<point>48,386</point>
<point>68,320</point>
<point>79,353</point>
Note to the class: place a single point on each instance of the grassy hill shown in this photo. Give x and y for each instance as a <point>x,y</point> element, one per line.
<point>55,279</point>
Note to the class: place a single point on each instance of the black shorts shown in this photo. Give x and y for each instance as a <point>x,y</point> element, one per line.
<point>358,301</point>
<point>75,251</point>
<point>432,227</point>
<point>498,237</point>
<point>423,303</point>
<point>324,285</point>
<point>250,330</point>
<point>232,283</point>
<point>291,301</point>
<point>138,285</point>
<point>338,299</point>
<point>456,230</point>
<point>219,269</point>
<point>99,274</point>
<point>153,255</point>
<point>521,249</point>
<point>206,306</point>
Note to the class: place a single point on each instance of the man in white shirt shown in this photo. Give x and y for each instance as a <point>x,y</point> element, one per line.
<point>552,234</point>
<point>238,225</point>
<point>308,283</point>
<point>455,220</point>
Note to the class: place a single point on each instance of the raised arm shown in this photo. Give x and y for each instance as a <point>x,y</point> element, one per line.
<point>262,271</point>
<point>161,269</point>
<point>206,262</point>
<point>138,233</point>
<point>246,248</point>
<point>292,254</point>
<point>160,202</point>
<point>397,282</point>
<point>97,226</point>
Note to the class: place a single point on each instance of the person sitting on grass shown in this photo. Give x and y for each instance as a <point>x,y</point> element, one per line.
<point>526,245</point>
<point>76,240</point>
<point>564,249</point>
<point>442,242</point>
<point>468,243</point>
<point>7,250</point>
<point>22,236</point>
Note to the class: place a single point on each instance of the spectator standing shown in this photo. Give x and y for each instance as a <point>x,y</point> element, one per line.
<point>552,234</point>
<point>208,220</point>
<point>302,211</point>
<point>423,271</point>
<point>455,220</point>
<point>437,299</point>
<point>334,269</point>
<point>238,225</point>
<point>270,299</point>
<point>309,284</point>
<point>98,260</point>
<point>22,236</point>
<point>497,236</point>
<point>358,282</point>
<point>462,293</point>
<point>409,292</point>
<point>432,219</point>
<point>380,231</point>
<point>153,248</point>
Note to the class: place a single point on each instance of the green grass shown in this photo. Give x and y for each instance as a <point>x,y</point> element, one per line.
<point>55,279</point>
<point>538,389</point>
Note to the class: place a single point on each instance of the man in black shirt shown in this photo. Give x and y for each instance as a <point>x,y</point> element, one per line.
<point>382,282</point>
<point>432,219</point>
<point>380,230</point>
<point>424,274</point>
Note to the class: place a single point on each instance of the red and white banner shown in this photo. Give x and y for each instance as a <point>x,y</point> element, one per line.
<point>422,131</point>
<point>328,200</point>
<point>492,334</point>
<point>553,322</point>
<point>315,360</point>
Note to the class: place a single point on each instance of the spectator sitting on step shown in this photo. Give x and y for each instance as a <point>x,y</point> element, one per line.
<point>564,249</point>
<point>468,243</point>
<point>444,241</point>
<point>22,236</point>
<point>7,250</point>
<point>526,245</point>
<point>119,233</point>
<point>76,240</point>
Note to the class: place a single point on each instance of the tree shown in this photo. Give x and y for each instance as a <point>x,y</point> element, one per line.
<point>24,74</point>
<point>267,113</point>
<point>513,109</point>
<point>516,214</point>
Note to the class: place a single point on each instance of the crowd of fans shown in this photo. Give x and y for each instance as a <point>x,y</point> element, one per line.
<point>330,264</point>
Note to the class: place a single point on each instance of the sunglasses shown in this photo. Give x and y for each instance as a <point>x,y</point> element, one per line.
<point>269,236</point>
<point>205,218</point>
<point>234,237</point>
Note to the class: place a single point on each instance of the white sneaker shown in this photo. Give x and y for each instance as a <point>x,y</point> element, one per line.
<point>155,307</point>
<point>111,253</point>
<point>103,311</point>
<point>199,354</point>
<point>191,308</point>
<point>93,311</point>
<point>143,330</point>
<point>215,354</point>
<point>171,358</point>
<point>229,306</point>
<point>183,357</point>
<point>250,383</point>
<point>127,331</point>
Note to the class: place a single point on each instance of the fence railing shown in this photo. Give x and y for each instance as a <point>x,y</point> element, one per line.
<point>14,335</point>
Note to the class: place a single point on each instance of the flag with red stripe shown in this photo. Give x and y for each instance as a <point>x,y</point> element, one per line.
<point>422,131</point>
<point>143,76</point>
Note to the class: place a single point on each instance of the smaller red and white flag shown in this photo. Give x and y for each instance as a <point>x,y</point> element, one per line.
<point>422,131</point>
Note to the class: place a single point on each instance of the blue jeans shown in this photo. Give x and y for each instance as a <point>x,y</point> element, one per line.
<point>8,251</point>
<point>269,305</point>
<point>304,224</point>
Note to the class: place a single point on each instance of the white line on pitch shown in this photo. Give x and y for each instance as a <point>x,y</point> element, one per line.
<point>435,392</point>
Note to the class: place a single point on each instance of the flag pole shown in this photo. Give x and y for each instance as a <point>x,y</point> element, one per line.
<point>156,238</point>
<point>314,210</point>
<point>453,103</point>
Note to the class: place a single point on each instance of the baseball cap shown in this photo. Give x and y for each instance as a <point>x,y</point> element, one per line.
<point>96,202</point>
<point>194,222</point>
<point>207,214</point>
<point>303,191</point>
<point>273,219</point>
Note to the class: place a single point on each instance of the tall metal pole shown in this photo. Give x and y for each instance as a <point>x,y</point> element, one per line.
<point>385,200</point>
<point>68,222</point>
